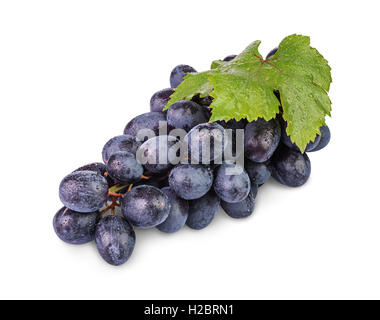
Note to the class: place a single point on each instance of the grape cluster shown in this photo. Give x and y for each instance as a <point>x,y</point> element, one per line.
<point>105,201</point>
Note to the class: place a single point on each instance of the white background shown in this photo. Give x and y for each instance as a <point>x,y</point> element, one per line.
<point>73,73</point>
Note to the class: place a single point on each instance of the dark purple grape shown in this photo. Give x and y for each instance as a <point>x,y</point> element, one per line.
<point>179,211</point>
<point>285,139</point>
<point>241,209</point>
<point>142,123</point>
<point>120,143</point>
<point>157,154</point>
<point>178,73</point>
<point>115,239</point>
<point>190,181</point>
<point>100,168</point>
<point>202,211</point>
<point>259,173</point>
<point>186,114</point>
<point>230,186</point>
<point>261,139</point>
<point>160,99</point>
<point>205,142</point>
<point>75,227</point>
<point>83,191</point>
<point>290,167</point>
<point>325,138</point>
<point>124,168</point>
<point>145,206</point>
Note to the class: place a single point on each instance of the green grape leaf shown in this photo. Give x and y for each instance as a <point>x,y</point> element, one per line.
<point>193,84</point>
<point>243,87</point>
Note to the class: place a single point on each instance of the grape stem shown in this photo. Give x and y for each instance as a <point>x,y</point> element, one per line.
<point>114,194</point>
<point>111,207</point>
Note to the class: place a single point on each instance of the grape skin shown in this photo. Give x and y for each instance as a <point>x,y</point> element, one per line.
<point>145,206</point>
<point>243,208</point>
<point>160,99</point>
<point>151,152</point>
<point>178,214</point>
<point>202,211</point>
<point>190,181</point>
<point>259,173</point>
<point>97,167</point>
<point>124,168</point>
<point>83,191</point>
<point>324,138</point>
<point>261,139</point>
<point>178,73</point>
<point>231,188</point>
<point>290,167</point>
<point>115,239</point>
<point>208,135</point>
<point>149,120</point>
<point>75,227</point>
<point>186,114</point>
<point>100,168</point>
<point>120,143</point>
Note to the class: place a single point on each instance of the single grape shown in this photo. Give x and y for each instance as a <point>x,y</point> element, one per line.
<point>145,206</point>
<point>100,168</point>
<point>178,214</point>
<point>240,209</point>
<point>190,181</point>
<point>259,173</point>
<point>75,227</point>
<point>261,139</point>
<point>186,114</point>
<point>149,120</point>
<point>290,167</point>
<point>231,186</point>
<point>285,139</point>
<point>157,154</point>
<point>115,239</point>
<point>120,143</point>
<point>124,168</point>
<point>83,191</point>
<point>203,210</point>
<point>205,142</point>
<point>205,101</point>
<point>160,99</point>
<point>271,53</point>
<point>178,73</point>
<point>324,140</point>
<point>230,57</point>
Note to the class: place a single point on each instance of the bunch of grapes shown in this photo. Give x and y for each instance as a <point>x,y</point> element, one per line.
<point>105,201</point>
